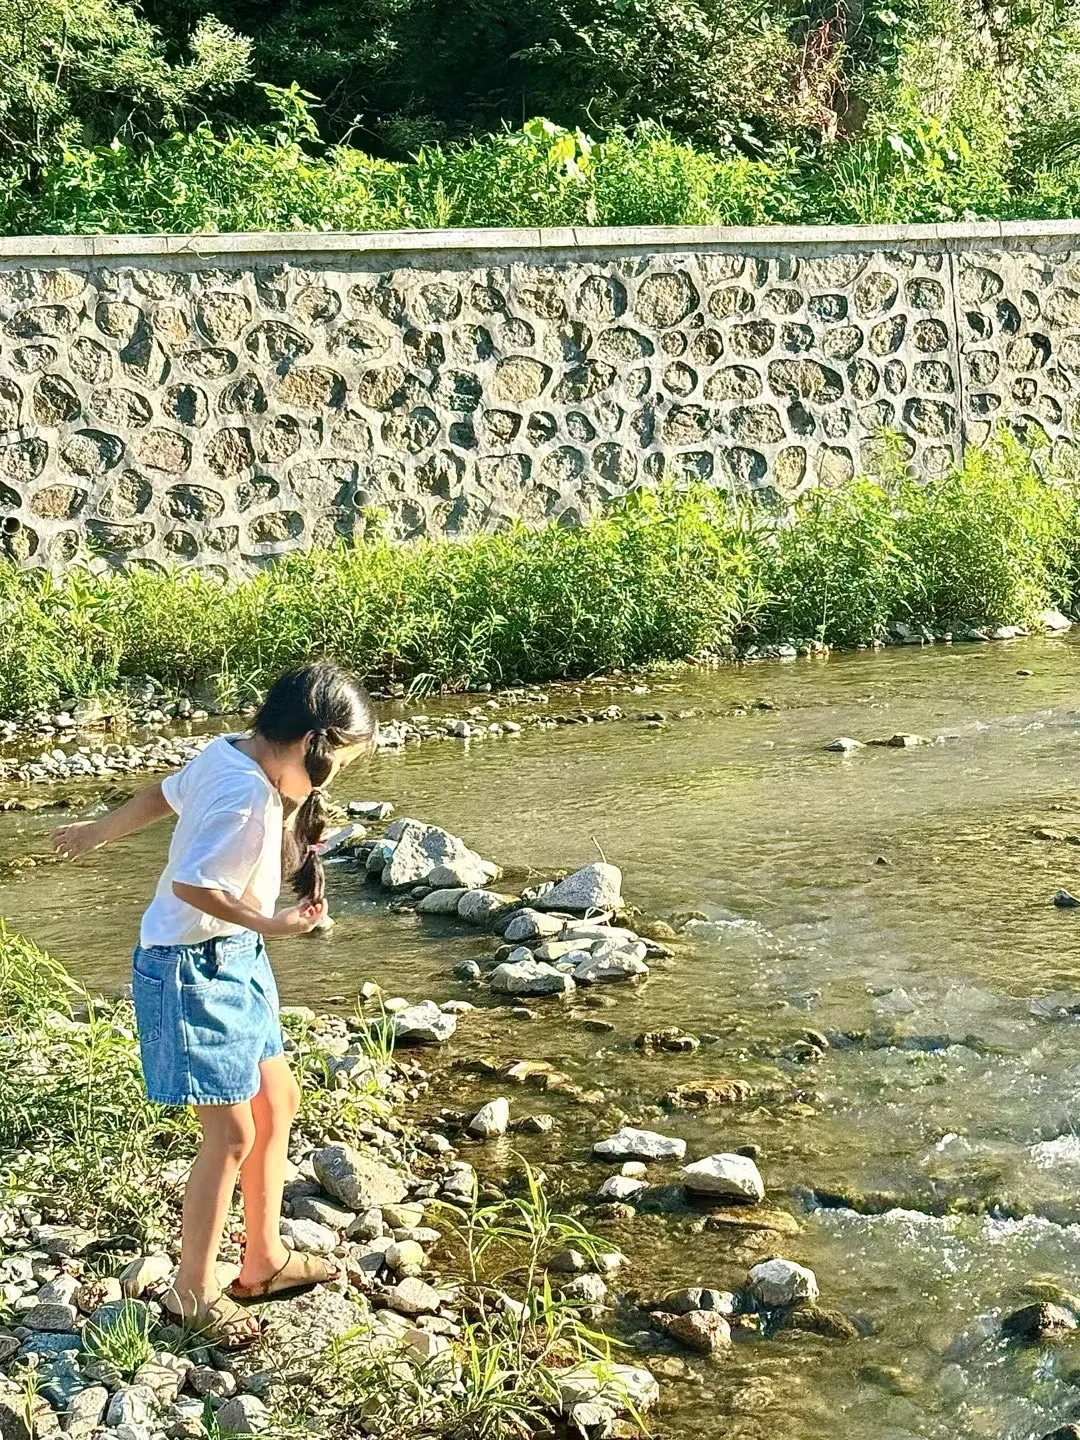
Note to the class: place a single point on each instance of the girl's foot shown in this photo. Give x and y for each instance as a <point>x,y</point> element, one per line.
<point>298,1272</point>
<point>220,1323</point>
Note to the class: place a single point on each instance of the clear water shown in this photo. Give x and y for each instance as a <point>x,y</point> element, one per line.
<point>941,1088</point>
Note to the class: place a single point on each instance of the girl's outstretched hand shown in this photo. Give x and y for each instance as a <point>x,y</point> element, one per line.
<point>71,841</point>
<point>298,919</point>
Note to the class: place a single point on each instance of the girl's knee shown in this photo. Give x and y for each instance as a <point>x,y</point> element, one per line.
<point>231,1134</point>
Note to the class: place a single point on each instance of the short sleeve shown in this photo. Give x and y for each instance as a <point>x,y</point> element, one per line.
<point>224,852</point>
<point>173,787</point>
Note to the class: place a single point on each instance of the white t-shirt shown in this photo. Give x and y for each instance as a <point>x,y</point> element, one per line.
<point>227,837</point>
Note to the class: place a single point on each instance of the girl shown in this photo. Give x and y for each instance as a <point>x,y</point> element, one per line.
<point>250,808</point>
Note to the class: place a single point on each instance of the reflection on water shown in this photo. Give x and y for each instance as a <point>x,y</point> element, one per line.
<point>896,902</point>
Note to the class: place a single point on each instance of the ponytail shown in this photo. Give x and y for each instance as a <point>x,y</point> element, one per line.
<point>332,708</point>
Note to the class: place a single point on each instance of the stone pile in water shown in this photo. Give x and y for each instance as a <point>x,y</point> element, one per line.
<point>557,935</point>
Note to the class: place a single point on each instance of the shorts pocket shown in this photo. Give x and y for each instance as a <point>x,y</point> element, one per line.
<point>148,995</point>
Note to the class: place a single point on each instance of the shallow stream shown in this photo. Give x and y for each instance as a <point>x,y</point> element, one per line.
<point>894,900</point>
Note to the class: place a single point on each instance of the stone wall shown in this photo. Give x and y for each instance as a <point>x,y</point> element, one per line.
<point>216,400</point>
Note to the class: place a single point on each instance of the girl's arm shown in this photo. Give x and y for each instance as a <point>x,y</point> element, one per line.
<point>141,810</point>
<point>296,920</point>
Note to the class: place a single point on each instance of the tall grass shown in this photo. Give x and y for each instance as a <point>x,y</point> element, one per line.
<point>659,577</point>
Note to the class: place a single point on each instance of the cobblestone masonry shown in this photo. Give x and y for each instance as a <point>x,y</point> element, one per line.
<point>216,400</point>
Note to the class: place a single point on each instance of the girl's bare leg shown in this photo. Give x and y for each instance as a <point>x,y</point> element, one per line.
<point>228,1135</point>
<point>262,1175</point>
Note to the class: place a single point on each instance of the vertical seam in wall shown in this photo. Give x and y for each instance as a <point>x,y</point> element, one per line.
<point>958,367</point>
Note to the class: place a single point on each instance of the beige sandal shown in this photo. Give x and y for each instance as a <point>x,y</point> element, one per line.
<point>300,1272</point>
<point>221,1324</point>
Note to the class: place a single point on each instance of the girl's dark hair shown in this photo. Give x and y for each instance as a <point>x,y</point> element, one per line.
<point>332,707</point>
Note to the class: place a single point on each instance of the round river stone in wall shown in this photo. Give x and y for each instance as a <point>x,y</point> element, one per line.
<point>665,298</point>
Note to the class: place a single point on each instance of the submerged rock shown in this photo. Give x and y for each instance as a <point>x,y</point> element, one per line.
<point>817,1320</point>
<point>844,744</point>
<point>735,1176</point>
<point>705,1094</point>
<point>672,1039</point>
<point>594,887</point>
<point>1038,1322</point>
<point>779,1283</point>
<point>1064,900</point>
<point>705,1331</point>
<point>631,1144</point>
<point>621,1385</point>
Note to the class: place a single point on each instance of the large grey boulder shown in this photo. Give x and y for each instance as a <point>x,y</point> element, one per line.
<point>356,1180</point>
<point>734,1177</point>
<point>594,887</point>
<point>423,1024</point>
<point>424,854</point>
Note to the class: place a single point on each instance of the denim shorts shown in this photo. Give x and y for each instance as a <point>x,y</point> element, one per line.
<point>207,1016</point>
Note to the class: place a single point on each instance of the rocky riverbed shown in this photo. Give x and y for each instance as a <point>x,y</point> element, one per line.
<point>869,1002</point>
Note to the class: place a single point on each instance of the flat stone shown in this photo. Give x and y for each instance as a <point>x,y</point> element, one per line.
<point>631,1144</point>
<point>356,1180</point>
<point>753,1217</point>
<point>413,1297</point>
<point>844,744</point>
<point>611,963</point>
<point>1032,1323</point>
<point>50,1317</point>
<point>84,1411</point>
<point>323,1212</point>
<point>309,1235</point>
<point>731,1175</point>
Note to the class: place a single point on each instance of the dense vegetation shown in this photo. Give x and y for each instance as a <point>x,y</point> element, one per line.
<point>706,111</point>
<point>657,578</point>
